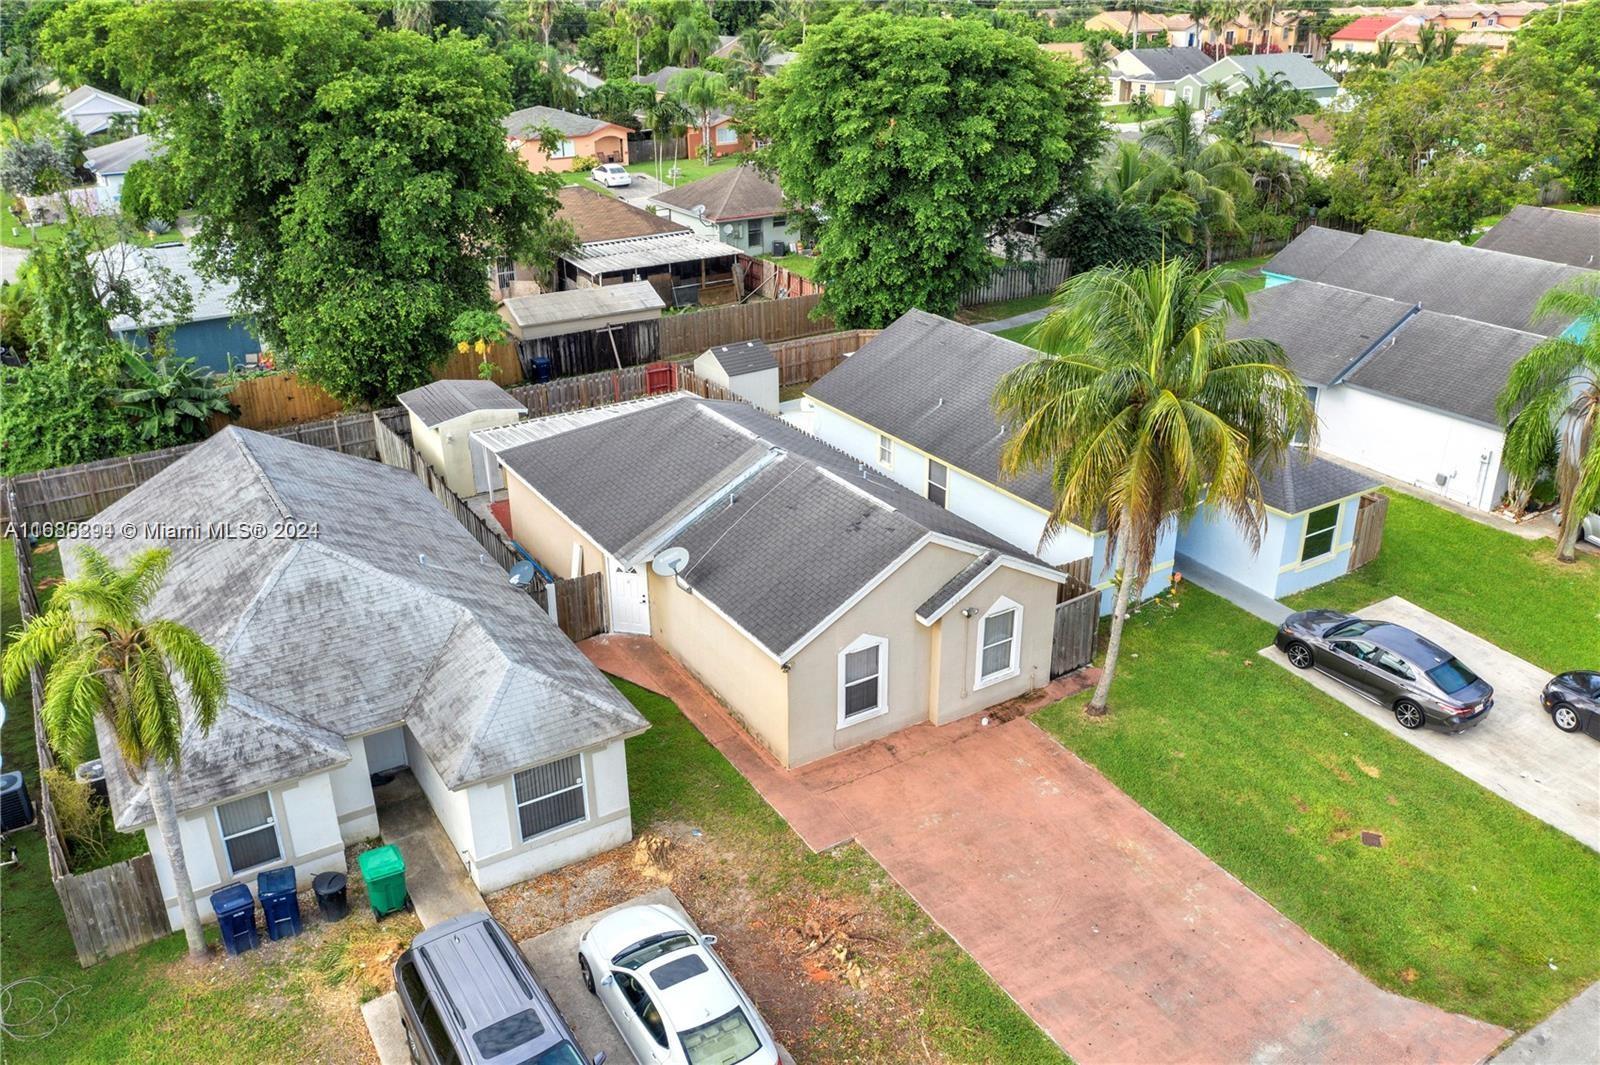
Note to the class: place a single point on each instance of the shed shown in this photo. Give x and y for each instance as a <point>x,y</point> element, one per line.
<point>584,330</point>
<point>746,369</point>
<point>689,268</point>
<point>443,416</point>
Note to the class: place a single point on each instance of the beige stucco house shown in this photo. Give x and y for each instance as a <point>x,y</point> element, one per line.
<point>444,414</point>
<point>575,137</point>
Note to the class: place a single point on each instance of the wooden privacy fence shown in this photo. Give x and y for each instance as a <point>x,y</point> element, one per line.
<point>776,281</point>
<point>1077,622</point>
<point>1017,280</point>
<point>802,361</point>
<point>1370,518</point>
<point>695,331</point>
<point>113,909</point>
<point>581,606</point>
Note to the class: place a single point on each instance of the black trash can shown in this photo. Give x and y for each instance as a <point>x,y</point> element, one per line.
<point>330,892</point>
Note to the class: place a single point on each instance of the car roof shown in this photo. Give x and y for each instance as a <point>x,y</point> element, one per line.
<point>618,931</point>
<point>698,999</point>
<point>1409,645</point>
<point>476,977</point>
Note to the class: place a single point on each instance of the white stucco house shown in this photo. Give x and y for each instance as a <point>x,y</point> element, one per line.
<point>110,164</point>
<point>363,630</point>
<point>92,110</point>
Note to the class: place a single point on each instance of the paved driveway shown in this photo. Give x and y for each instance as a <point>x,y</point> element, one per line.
<point>1516,753</point>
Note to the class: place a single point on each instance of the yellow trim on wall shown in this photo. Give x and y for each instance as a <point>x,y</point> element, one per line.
<point>1103,585</point>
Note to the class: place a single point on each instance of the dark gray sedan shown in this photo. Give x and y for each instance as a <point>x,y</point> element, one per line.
<point>1573,701</point>
<point>1394,667</point>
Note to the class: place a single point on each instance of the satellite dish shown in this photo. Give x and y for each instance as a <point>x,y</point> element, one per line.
<point>670,563</point>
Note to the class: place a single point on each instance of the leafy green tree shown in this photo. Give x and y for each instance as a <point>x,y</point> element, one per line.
<point>919,140</point>
<point>24,88</point>
<point>353,181</point>
<point>33,166</point>
<point>60,412</point>
<point>1198,183</point>
<point>619,101</point>
<point>1143,108</point>
<point>111,664</point>
<point>1100,231</point>
<point>1566,39</point>
<point>702,93</point>
<point>168,400</point>
<point>693,37</point>
<point>669,120</point>
<point>1141,406</point>
<point>1552,403</point>
<point>538,76</point>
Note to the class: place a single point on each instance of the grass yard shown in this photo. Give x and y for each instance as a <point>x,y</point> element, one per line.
<point>26,238</point>
<point>692,169</point>
<point>1470,904</point>
<point>804,265</point>
<point>1504,588</point>
<point>993,312</point>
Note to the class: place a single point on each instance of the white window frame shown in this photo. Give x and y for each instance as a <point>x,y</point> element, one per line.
<point>1014,667</point>
<point>582,785</point>
<point>885,452</point>
<point>932,484</point>
<point>725,134</point>
<point>272,823</point>
<point>861,643</point>
<point>564,149</point>
<point>1333,539</point>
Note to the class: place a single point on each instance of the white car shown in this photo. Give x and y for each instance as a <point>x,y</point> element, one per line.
<point>611,175</point>
<point>672,999</point>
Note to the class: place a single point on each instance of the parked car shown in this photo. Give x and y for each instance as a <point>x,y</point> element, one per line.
<point>1573,701</point>
<point>467,995</point>
<point>668,994</point>
<point>1418,680</point>
<point>611,175</point>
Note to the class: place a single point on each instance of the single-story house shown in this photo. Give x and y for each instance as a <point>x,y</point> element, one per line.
<point>1151,72</point>
<point>913,405</point>
<point>92,110</point>
<point>1311,504</point>
<point>583,330</point>
<point>827,606</point>
<point>384,639</point>
<point>659,79</point>
<point>747,369</point>
<point>1231,72</point>
<point>725,136</point>
<point>443,415</point>
<point>1570,237</point>
<point>580,136</point>
<point>1153,28</point>
<point>739,206</point>
<point>585,79</point>
<point>213,334</point>
<point>111,162</point>
<point>1308,141</point>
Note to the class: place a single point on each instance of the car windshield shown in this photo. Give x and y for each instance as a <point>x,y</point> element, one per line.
<point>562,1053</point>
<point>648,950</point>
<point>1353,627</point>
<point>1451,676</point>
<point>723,1041</point>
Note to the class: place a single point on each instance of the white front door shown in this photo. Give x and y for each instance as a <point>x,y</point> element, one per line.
<point>630,599</point>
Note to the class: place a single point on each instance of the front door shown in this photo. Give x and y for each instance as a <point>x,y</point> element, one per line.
<point>630,600</point>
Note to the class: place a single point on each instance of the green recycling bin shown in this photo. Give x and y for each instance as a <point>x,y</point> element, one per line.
<point>384,870</point>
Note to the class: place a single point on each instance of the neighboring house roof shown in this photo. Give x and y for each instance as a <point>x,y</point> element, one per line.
<point>582,305</point>
<point>145,269</point>
<point>586,79</point>
<point>1294,68</point>
<point>1366,28</point>
<point>658,79</point>
<point>1305,255</point>
<point>1074,49</point>
<point>1150,22</point>
<point>90,108</point>
<point>1311,131</point>
<point>526,123</point>
<point>1305,482</point>
<point>115,158</point>
<point>951,590</point>
<point>779,60</point>
<point>727,45</point>
<point>781,529</point>
<point>595,216</point>
<point>927,381</point>
<point>1164,64</point>
<point>440,401</point>
<point>390,614</point>
<point>1322,329</point>
<point>730,194</point>
<point>1569,237</point>
<point>640,253</point>
<point>1489,286</point>
<point>750,356</point>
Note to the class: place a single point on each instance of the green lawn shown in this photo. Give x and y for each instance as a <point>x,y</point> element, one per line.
<point>692,169</point>
<point>26,238</point>
<point>804,265</point>
<point>1470,904</point>
<point>1504,588</point>
<point>993,312</point>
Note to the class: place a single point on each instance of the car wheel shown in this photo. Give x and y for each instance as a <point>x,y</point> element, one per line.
<point>1299,655</point>
<point>1409,714</point>
<point>588,977</point>
<point>1566,718</point>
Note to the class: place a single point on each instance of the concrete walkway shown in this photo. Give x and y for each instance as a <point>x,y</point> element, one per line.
<point>1262,606</point>
<point>435,876</point>
<point>1569,1036</point>
<point>1025,318</point>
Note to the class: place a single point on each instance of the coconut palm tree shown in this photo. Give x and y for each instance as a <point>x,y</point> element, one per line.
<point>109,664</point>
<point>1263,101</point>
<point>1210,174</point>
<point>702,92</point>
<point>668,119</point>
<point>1095,53</point>
<point>691,40</point>
<point>1222,14</point>
<point>1141,405</point>
<point>1551,406</point>
<point>24,87</point>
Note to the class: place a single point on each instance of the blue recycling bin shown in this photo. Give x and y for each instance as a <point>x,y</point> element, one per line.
<point>235,908</point>
<point>280,906</point>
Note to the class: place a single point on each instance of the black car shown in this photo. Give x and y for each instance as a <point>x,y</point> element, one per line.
<point>1573,701</point>
<point>467,997</point>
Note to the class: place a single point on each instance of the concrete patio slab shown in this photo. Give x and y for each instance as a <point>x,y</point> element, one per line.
<point>1516,752</point>
<point>388,1032</point>
<point>1569,1036</point>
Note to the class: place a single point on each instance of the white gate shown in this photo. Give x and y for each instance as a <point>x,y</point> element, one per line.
<point>630,599</point>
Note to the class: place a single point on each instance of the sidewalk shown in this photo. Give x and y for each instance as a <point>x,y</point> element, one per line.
<point>1571,1034</point>
<point>1264,607</point>
<point>1025,318</point>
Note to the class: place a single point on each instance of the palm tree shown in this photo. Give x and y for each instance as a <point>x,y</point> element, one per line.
<point>1135,8</point>
<point>702,92</point>
<point>413,15</point>
<point>1140,406</point>
<point>24,87</point>
<point>668,119</point>
<point>1264,101</point>
<point>111,665</point>
<point>691,40</point>
<point>544,12</point>
<point>1261,14</point>
<point>1434,44</point>
<point>1551,405</point>
<point>1095,53</point>
<point>755,48</point>
<point>1210,175</point>
<point>1223,14</point>
<point>641,20</point>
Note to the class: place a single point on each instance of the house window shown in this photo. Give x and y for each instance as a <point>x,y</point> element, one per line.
<point>565,149</point>
<point>1188,94</point>
<point>551,796</point>
<point>863,683</point>
<point>754,235</point>
<point>1228,37</point>
<point>938,483</point>
<point>998,642</point>
<point>885,452</point>
<point>726,134</point>
<point>505,271</point>
<point>249,832</point>
<point>1320,527</point>
<point>779,221</point>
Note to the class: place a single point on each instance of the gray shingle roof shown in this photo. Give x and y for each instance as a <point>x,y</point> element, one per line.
<point>528,121</point>
<point>801,531</point>
<point>1307,254</point>
<point>750,356</point>
<point>658,79</point>
<point>118,156</point>
<point>147,269</point>
<point>1297,70</point>
<point>1170,64</point>
<point>1322,329</point>
<point>739,192</point>
<point>1448,363</point>
<point>390,613</point>
<point>1306,482</point>
<point>1569,237</point>
<point>438,402</point>
<point>957,584</point>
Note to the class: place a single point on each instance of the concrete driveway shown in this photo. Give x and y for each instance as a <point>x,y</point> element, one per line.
<point>1516,753</point>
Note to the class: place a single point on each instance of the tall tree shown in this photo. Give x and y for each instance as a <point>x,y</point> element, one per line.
<point>1551,404</point>
<point>693,37</point>
<point>702,93</point>
<point>1265,102</point>
<point>1141,406</point>
<point>941,132</point>
<point>669,118</point>
<point>1205,176</point>
<point>145,679</point>
<point>24,88</point>
<point>413,15</point>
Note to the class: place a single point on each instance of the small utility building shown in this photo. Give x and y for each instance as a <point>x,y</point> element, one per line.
<point>746,369</point>
<point>584,330</point>
<point>443,416</point>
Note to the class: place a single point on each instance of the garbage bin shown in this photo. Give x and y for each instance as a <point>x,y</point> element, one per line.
<point>280,906</point>
<point>235,908</point>
<point>384,870</point>
<point>330,891</point>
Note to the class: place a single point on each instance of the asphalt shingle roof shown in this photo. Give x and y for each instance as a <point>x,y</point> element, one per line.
<point>1322,329</point>
<point>148,269</point>
<point>1307,254</point>
<point>438,402</point>
<point>1446,362</point>
<point>526,123</point>
<point>658,79</point>
<point>118,156</point>
<point>957,584</point>
<point>750,356</point>
<point>595,216</point>
<point>739,192</point>
<point>1569,237</point>
<point>389,613</point>
<point>1305,482</point>
<point>1170,64</point>
<point>1296,69</point>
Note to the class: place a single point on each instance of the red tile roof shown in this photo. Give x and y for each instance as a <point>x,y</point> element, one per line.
<point>1366,29</point>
